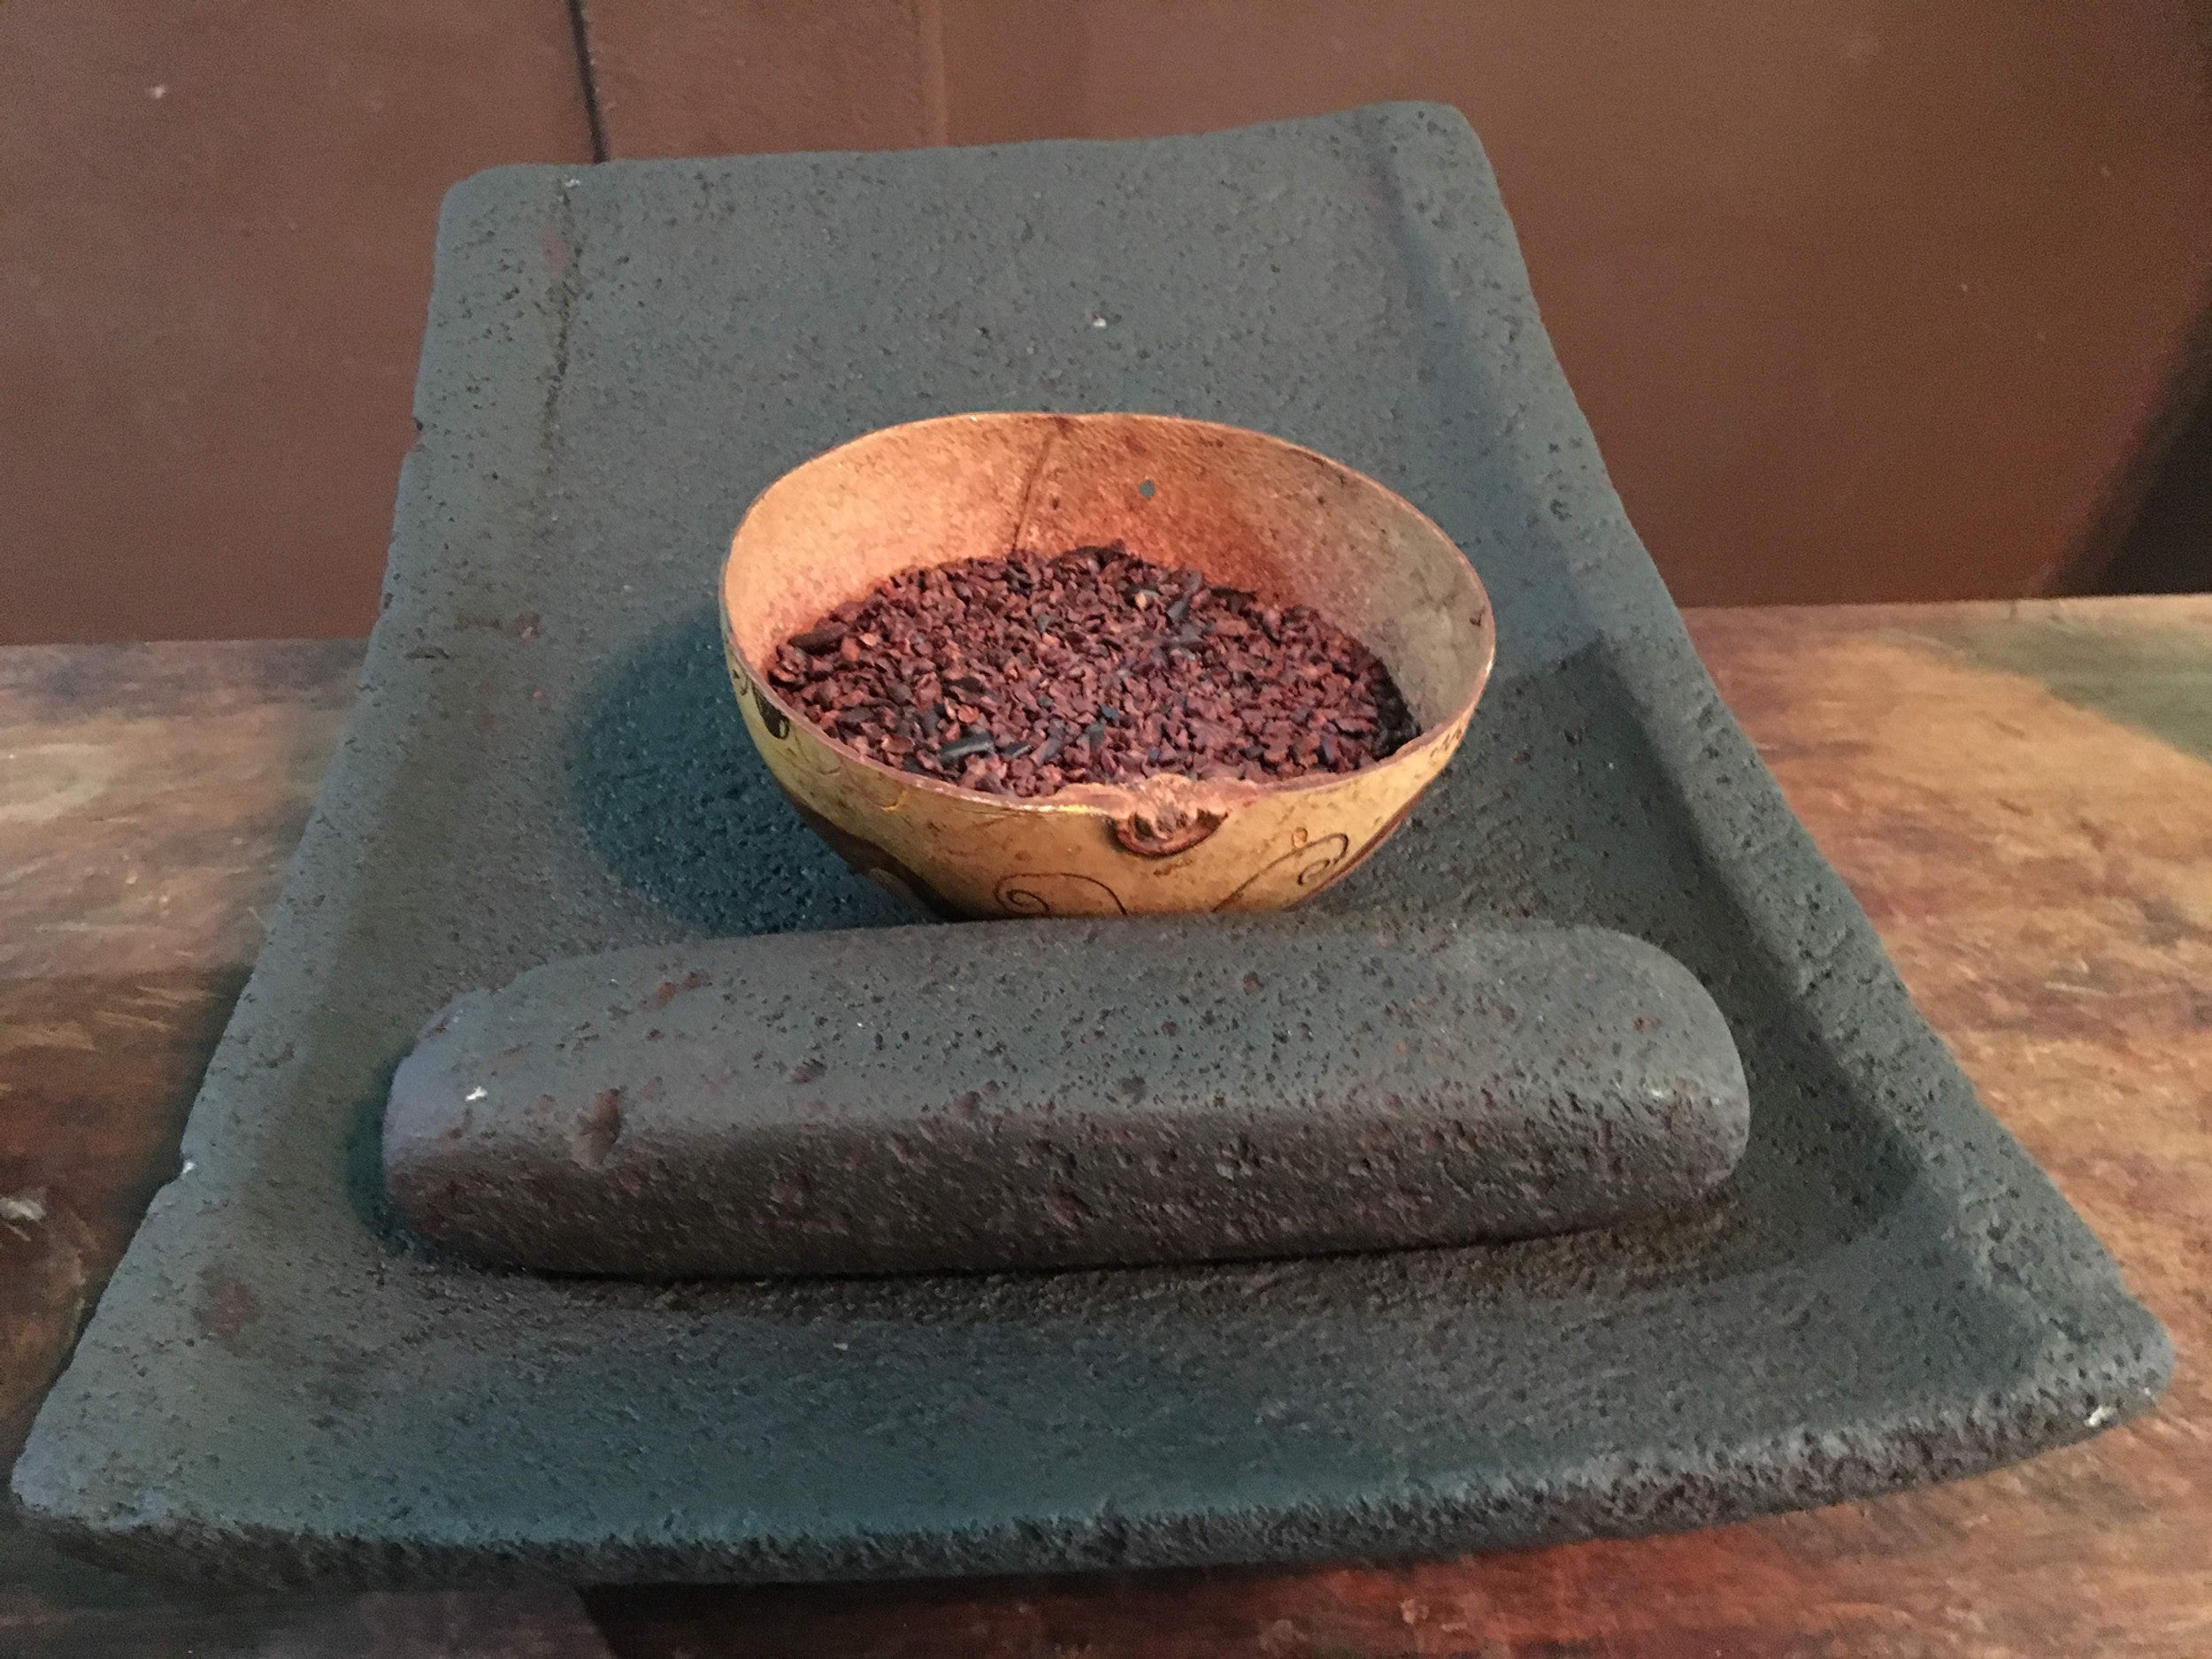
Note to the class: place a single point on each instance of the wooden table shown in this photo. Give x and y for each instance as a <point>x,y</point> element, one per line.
<point>2020,795</point>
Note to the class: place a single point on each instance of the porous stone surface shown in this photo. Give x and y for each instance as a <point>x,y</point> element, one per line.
<point>1062,1093</point>
<point>544,761</point>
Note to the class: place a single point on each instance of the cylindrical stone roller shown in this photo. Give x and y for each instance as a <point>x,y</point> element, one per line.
<point>1058,1094</point>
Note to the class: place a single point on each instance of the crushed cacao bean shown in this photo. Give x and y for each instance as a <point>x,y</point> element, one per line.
<point>1022,674</point>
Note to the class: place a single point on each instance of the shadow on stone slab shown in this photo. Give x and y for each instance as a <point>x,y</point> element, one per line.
<point>672,795</point>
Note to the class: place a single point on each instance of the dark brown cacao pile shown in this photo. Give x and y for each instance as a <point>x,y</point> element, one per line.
<point>1022,674</point>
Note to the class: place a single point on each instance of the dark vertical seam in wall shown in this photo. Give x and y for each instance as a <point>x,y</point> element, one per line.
<point>580,30</point>
<point>929,36</point>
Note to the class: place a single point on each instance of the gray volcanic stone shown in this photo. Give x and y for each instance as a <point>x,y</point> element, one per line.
<point>545,761</point>
<point>1026,1094</point>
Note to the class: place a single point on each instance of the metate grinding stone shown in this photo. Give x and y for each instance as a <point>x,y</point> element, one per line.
<point>545,761</point>
<point>1062,1093</point>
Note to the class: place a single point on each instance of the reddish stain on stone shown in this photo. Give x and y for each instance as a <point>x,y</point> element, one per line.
<point>593,1140</point>
<point>227,1307</point>
<point>668,990</point>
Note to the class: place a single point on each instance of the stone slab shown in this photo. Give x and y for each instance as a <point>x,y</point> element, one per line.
<point>544,761</point>
<point>1062,1093</point>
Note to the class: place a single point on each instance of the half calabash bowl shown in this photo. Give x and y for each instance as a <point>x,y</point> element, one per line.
<point>1246,511</point>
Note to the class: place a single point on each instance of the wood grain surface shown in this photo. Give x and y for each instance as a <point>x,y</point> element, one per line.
<point>2020,795</point>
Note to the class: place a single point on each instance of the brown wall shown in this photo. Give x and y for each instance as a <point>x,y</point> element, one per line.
<point>215,237</point>
<point>1865,298</point>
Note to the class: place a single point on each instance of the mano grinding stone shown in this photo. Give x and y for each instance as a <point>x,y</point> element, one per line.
<point>1042,1093</point>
